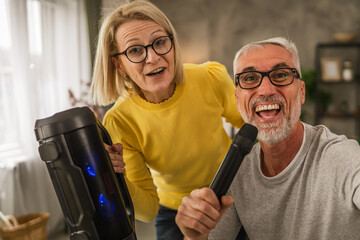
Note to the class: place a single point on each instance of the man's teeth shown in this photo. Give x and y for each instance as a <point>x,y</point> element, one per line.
<point>267,107</point>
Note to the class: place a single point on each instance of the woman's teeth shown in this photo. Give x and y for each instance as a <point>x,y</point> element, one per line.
<point>156,71</point>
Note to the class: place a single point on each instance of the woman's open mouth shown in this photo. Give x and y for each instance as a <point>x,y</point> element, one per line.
<point>156,72</point>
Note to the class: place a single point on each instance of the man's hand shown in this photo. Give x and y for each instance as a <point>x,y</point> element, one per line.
<point>199,213</point>
<point>116,155</point>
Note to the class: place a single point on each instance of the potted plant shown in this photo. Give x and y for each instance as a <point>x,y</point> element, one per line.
<point>320,97</point>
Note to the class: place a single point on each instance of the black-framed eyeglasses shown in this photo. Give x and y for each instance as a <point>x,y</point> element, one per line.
<point>138,53</point>
<point>278,77</point>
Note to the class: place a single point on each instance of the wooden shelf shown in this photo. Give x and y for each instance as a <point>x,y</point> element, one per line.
<point>355,81</point>
<point>340,91</point>
<point>340,115</point>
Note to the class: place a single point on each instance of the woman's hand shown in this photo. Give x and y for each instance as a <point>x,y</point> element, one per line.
<point>116,155</point>
<point>199,213</point>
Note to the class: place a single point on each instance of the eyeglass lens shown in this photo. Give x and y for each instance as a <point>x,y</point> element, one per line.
<point>138,53</point>
<point>280,77</point>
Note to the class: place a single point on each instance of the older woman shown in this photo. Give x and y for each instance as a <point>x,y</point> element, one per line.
<point>167,115</point>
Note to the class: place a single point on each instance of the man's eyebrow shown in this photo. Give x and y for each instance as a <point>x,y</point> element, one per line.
<point>249,69</point>
<point>280,65</point>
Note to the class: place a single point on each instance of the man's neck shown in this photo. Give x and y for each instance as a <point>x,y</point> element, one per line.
<point>276,157</point>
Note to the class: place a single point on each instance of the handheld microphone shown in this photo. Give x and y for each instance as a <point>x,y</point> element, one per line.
<point>239,148</point>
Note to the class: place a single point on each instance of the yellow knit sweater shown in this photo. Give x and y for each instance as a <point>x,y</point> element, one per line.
<point>181,141</point>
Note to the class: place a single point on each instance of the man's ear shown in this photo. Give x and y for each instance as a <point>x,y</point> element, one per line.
<point>236,94</point>
<point>237,99</point>
<point>302,91</point>
<point>117,65</point>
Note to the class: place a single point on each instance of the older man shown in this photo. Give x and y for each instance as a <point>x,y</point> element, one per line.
<point>299,181</point>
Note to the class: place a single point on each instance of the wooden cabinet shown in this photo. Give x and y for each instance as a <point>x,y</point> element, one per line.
<point>338,87</point>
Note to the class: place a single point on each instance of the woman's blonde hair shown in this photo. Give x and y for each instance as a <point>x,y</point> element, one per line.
<point>107,84</point>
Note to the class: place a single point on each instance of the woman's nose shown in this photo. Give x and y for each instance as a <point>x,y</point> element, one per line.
<point>152,56</point>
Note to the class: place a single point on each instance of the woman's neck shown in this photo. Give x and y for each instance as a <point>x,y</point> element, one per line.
<point>158,97</point>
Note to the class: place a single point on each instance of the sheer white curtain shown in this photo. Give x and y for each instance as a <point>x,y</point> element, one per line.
<point>44,52</point>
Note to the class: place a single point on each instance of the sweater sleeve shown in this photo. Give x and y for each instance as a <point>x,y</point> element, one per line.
<point>346,173</point>
<point>225,90</point>
<point>137,176</point>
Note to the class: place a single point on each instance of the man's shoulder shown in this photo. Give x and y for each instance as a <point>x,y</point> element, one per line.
<point>324,140</point>
<point>322,132</point>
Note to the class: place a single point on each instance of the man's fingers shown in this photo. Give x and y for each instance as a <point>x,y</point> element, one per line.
<point>226,202</point>
<point>191,227</point>
<point>192,223</point>
<point>198,213</point>
<point>204,203</point>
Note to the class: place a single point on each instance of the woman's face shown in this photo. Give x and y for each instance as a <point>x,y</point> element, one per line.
<point>156,73</point>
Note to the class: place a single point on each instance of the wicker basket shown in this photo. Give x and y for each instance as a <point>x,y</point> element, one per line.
<point>30,227</point>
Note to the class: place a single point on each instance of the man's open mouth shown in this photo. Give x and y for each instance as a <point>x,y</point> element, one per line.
<point>267,111</point>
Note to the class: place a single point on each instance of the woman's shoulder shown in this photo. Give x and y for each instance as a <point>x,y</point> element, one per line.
<point>118,109</point>
<point>205,67</point>
<point>211,71</point>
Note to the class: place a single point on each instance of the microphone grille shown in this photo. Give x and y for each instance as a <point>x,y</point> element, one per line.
<point>245,137</point>
<point>248,131</point>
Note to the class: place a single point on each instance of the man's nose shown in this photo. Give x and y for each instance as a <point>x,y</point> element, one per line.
<point>266,87</point>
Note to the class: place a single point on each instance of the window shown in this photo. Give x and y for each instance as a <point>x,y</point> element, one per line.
<point>8,115</point>
<point>44,52</point>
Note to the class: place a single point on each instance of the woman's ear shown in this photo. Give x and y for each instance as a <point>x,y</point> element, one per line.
<point>117,65</point>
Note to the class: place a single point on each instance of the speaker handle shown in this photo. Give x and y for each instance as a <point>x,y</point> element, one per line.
<point>120,177</point>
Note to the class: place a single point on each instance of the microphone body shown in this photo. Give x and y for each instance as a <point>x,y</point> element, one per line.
<point>239,148</point>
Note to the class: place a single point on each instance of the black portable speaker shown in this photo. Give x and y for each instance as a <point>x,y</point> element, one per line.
<point>94,199</point>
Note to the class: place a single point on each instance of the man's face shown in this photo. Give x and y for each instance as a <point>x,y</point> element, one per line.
<point>274,110</point>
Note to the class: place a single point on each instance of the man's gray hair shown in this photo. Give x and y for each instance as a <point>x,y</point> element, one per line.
<point>280,41</point>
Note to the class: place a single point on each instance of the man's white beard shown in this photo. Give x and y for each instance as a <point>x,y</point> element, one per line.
<point>276,131</point>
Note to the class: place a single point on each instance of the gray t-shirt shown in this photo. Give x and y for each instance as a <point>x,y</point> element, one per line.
<point>316,197</point>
